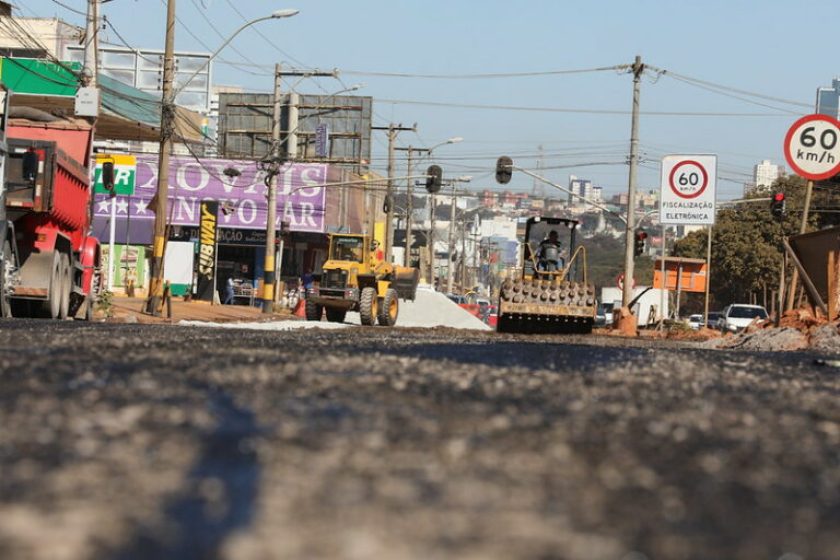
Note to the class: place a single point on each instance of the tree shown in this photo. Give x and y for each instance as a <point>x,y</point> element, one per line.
<point>746,244</point>
<point>606,261</point>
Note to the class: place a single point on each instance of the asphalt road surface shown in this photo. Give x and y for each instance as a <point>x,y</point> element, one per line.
<point>130,441</point>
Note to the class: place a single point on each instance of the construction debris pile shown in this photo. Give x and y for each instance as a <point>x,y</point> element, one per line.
<point>800,329</point>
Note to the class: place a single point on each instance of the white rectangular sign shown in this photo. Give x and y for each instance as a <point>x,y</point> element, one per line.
<point>687,190</point>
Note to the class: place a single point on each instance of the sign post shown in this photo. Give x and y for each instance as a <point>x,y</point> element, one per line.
<point>125,169</point>
<point>207,258</point>
<point>812,150</point>
<point>812,147</point>
<point>688,190</point>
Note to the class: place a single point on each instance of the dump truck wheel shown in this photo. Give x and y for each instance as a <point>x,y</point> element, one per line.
<point>389,309</point>
<point>66,288</point>
<point>313,311</point>
<point>368,307</point>
<point>335,315</point>
<point>51,308</point>
<point>5,300</point>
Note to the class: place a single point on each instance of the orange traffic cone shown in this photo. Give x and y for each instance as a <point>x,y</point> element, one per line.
<point>300,308</point>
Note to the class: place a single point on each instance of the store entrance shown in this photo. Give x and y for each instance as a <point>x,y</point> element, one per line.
<point>238,273</point>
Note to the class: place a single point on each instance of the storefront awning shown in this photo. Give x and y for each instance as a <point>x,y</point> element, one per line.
<point>126,113</point>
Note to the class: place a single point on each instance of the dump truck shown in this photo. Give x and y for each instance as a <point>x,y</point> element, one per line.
<point>356,278</point>
<point>552,293</point>
<point>49,261</point>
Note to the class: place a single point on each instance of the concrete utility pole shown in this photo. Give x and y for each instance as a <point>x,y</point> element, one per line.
<point>277,161</point>
<point>153,304</point>
<point>430,240</point>
<point>92,43</point>
<point>450,242</point>
<point>393,130</point>
<point>269,264</point>
<point>638,70</point>
<point>409,209</point>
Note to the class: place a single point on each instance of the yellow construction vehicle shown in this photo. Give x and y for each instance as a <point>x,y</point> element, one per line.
<point>553,294</point>
<point>356,278</point>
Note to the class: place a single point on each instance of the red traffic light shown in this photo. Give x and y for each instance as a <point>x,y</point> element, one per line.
<point>779,197</point>
<point>641,235</point>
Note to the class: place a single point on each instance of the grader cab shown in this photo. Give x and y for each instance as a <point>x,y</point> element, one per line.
<point>356,278</point>
<point>552,294</point>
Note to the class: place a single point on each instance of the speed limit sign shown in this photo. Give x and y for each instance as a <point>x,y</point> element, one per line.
<point>687,189</point>
<point>812,147</point>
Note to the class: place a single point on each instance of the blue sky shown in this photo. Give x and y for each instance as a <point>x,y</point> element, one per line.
<point>776,48</point>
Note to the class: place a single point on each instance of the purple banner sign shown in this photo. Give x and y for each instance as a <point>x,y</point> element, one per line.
<point>301,196</point>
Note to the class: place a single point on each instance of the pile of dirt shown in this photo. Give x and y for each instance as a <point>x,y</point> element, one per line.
<point>799,329</point>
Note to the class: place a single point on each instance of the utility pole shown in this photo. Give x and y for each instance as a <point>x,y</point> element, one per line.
<point>451,243</point>
<point>275,163</point>
<point>92,43</point>
<point>409,209</point>
<point>269,264</point>
<point>154,301</point>
<point>393,130</point>
<point>430,240</point>
<point>638,70</point>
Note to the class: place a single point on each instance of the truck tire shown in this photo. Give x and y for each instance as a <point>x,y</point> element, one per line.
<point>336,315</point>
<point>389,309</point>
<point>367,307</point>
<point>93,297</point>
<point>66,288</point>
<point>5,300</point>
<point>313,311</point>
<point>52,307</point>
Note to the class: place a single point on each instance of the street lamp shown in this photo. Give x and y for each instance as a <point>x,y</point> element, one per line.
<point>278,14</point>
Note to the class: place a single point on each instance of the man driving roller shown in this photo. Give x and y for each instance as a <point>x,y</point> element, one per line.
<point>549,253</point>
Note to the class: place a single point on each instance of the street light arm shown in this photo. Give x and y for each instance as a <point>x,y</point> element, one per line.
<point>565,190</point>
<point>275,15</point>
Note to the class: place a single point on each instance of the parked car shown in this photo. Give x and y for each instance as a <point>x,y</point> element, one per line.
<point>738,316</point>
<point>604,315</point>
<point>712,321</point>
<point>457,298</point>
<point>695,321</point>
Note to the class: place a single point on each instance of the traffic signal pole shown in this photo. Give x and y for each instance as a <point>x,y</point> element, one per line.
<point>803,227</point>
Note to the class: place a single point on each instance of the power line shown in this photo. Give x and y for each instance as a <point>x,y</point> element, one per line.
<point>535,109</point>
<point>485,76</point>
<point>696,81</point>
<point>70,8</point>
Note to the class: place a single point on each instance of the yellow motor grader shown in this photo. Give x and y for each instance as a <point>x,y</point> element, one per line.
<point>356,278</point>
<point>553,294</point>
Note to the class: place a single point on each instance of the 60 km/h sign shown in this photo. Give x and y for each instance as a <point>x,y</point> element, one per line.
<point>812,147</point>
<point>687,190</point>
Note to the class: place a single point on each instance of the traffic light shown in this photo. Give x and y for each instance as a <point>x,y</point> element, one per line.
<point>504,170</point>
<point>777,206</point>
<point>639,242</point>
<point>434,178</point>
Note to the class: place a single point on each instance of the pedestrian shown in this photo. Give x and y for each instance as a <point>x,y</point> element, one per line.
<point>229,296</point>
<point>307,280</point>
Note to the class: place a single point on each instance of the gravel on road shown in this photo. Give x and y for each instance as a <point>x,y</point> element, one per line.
<point>141,441</point>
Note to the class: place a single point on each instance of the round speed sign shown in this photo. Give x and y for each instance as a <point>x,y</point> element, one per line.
<point>812,147</point>
<point>688,179</point>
